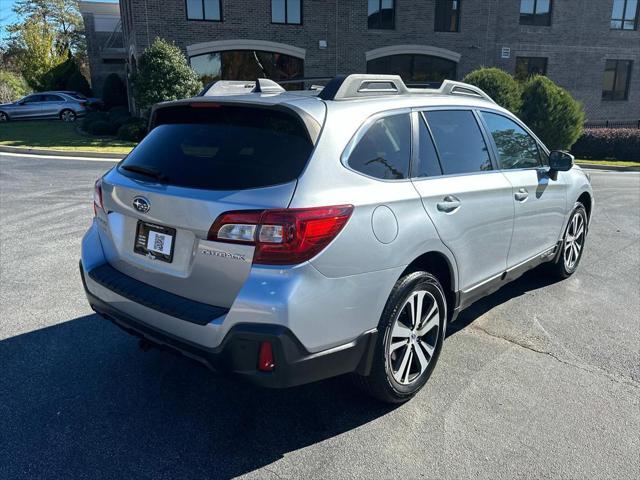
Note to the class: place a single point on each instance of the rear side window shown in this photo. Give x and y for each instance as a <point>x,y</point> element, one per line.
<point>516,148</point>
<point>459,141</point>
<point>384,151</point>
<point>221,148</point>
<point>428,165</point>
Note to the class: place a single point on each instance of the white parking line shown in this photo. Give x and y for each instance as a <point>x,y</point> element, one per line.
<point>58,157</point>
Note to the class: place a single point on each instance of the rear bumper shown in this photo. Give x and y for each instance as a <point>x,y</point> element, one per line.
<point>238,351</point>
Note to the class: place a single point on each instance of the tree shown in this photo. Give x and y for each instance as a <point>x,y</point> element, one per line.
<point>78,83</point>
<point>12,86</point>
<point>47,33</point>
<point>499,85</point>
<point>114,93</point>
<point>551,112</point>
<point>163,74</point>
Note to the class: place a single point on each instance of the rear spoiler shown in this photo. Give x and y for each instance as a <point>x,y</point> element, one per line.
<point>310,123</point>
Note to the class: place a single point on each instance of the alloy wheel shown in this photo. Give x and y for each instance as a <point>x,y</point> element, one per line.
<point>574,241</point>
<point>3,117</point>
<point>413,337</point>
<point>68,116</point>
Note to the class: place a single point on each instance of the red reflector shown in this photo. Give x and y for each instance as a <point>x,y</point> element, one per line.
<point>97,197</point>
<point>266,363</point>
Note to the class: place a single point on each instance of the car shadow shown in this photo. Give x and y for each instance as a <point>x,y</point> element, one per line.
<point>80,400</point>
<point>532,280</point>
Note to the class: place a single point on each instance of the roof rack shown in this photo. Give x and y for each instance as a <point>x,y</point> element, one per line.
<point>365,85</point>
<point>239,87</point>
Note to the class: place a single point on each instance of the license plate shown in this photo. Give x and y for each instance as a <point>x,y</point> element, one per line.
<point>155,241</point>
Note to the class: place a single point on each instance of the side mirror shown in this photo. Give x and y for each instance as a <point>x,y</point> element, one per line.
<point>560,161</point>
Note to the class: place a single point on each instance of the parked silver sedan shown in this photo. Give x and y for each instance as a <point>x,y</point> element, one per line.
<point>44,105</point>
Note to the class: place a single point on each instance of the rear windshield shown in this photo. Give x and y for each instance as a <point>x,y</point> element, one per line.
<point>221,148</point>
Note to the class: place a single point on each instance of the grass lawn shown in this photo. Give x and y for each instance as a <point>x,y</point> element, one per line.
<point>57,135</point>
<point>620,163</point>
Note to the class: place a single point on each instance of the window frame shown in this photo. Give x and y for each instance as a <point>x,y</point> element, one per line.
<point>186,13</point>
<point>529,58</point>
<point>535,8</point>
<point>494,147</point>
<point>615,77</point>
<point>458,15</point>
<point>286,14</point>
<point>393,17</point>
<point>624,18</point>
<point>486,136</point>
<point>364,128</point>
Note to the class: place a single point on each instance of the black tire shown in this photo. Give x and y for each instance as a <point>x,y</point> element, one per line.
<point>382,383</point>
<point>67,115</point>
<point>4,117</point>
<point>561,268</point>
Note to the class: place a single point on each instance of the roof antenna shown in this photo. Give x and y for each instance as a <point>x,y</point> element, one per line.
<point>264,85</point>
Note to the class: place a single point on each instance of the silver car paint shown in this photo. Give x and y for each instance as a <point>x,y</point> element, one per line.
<point>43,109</point>
<point>340,293</point>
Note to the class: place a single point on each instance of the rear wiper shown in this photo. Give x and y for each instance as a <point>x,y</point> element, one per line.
<point>149,172</point>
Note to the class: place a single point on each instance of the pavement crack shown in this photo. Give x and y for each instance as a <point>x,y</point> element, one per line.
<point>615,377</point>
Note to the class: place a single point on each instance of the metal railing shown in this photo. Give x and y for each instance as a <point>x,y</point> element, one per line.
<point>613,124</point>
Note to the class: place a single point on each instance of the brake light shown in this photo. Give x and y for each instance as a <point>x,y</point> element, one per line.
<point>97,197</point>
<point>283,236</point>
<point>266,362</point>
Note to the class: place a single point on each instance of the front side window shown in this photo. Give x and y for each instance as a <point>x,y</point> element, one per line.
<point>33,99</point>
<point>286,11</point>
<point>384,151</point>
<point>459,141</point>
<point>516,148</point>
<point>204,10</point>
<point>381,14</point>
<point>617,74</point>
<point>447,16</point>
<point>529,66</point>
<point>535,12</point>
<point>624,15</point>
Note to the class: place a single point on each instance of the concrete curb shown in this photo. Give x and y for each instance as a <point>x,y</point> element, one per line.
<point>611,168</point>
<point>61,153</point>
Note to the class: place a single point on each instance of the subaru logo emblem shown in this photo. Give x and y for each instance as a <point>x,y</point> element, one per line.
<point>141,204</point>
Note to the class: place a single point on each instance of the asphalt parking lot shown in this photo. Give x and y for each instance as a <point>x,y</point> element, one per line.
<point>539,380</point>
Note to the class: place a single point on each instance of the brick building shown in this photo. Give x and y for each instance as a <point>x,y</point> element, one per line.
<point>590,47</point>
<point>105,44</point>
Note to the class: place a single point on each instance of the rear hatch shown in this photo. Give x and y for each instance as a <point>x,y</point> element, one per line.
<point>197,162</point>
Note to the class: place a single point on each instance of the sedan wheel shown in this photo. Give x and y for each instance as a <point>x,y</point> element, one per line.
<point>4,117</point>
<point>68,116</point>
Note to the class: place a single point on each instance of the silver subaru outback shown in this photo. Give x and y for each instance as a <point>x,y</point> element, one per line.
<point>289,237</point>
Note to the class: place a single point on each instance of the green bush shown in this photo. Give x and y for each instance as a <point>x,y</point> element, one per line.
<point>114,93</point>
<point>608,143</point>
<point>92,117</point>
<point>12,86</point>
<point>499,85</point>
<point>100,127</point>
<point>164,74</point>
<point>77,83</point>
<point>118,116</point>
<point>134,130</point>
<point>551,112</point>
<point>58,77</point>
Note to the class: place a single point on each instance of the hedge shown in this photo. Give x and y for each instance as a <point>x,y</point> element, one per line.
<point>101,127</point>
<point>608,143</point>
<point>133,130</point>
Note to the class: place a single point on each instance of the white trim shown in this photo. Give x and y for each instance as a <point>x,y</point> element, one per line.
<point>263,45</point>
<point>412,49</point>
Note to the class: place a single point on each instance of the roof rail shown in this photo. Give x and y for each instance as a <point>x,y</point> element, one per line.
<point>239,87</point>
<point>360,85</point>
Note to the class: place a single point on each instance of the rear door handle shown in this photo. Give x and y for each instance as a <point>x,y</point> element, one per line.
<point>521,195</point>
<point>448,204</point>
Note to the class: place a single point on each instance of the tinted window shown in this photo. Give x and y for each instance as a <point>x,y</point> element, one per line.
<point>516,148</point>
<point>624,15</point>
<point>381,14</point>
<point>385,149</point>
<point>459,141</point>
<point>535,12</point>
<point>615,84</point>
<point>222,148</point>
<point>203,10</point>
<point>447,15</point>
<point>428,165</point>
<point>52,98</point>
<point>34,98</point>
<point>529,66</point>
<point>286,11</point>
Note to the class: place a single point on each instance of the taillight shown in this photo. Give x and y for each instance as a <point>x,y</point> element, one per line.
<point>283,236</point>
<point>97,197</point>
<point>266,361</point>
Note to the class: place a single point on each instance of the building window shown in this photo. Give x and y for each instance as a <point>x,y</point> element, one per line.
<point>624,15</point>
<point>447,16</point>
<point>535,12</point>
<point>286,11</point>
<point>381,14</point>
<point>529,66</point>
<point>248,65</point>
<point>415,69</point>
<point>204,10</point>
<point>615,85</point>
